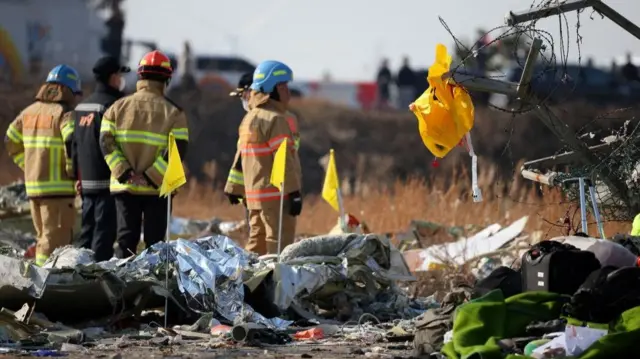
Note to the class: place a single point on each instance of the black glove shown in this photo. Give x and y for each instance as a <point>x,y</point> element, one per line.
<point>295,203</point>
<point>233,199</point>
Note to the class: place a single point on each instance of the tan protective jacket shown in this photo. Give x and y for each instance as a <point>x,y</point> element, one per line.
<point>39,142</point>
<point>235,180</point>
<point>262,131</point>
<point>134,136</point>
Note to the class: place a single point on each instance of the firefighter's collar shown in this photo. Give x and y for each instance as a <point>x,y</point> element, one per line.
<point>153,86</point>
<point>262,100</point>
<point>56,93</point>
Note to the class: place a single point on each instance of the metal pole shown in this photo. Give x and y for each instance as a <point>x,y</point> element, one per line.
<point>529,67</point>
<point>343,222</point>
<point>166,259</point>
<point>482,84</point>
<point>517,17</point>
<point>280,221</point>
<point>596,211</point>
<point>247,219</point>
<point>583,207</point>
<point>616,17</point>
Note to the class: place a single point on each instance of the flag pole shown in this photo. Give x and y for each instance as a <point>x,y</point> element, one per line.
<point>343,221</point>
<point>166,259</point>
<point>280,221</point>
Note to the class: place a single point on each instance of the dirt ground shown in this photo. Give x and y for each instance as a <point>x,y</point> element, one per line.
<point>329,350</point>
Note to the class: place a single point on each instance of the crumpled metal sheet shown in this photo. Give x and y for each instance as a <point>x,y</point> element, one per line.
<point>209,273</point>
<point>69,257</point>
<point>295,280</point>
<point>307,265</point>
<point>18,275</point>
<point>212,272</point>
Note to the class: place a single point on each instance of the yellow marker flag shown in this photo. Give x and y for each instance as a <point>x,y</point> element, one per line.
<point>174,176</point>
<point>279,165</point>
<point>331,183</point>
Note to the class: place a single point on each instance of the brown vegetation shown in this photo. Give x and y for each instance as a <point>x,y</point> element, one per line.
<point>391,210</point>
<point>387,170</point>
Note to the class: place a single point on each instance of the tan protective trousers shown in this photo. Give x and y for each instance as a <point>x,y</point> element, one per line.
<point>263,235</point>
<point>53,220</point>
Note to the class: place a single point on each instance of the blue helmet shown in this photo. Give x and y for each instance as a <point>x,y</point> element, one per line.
<point>270,73</point>
<point>67,76</point>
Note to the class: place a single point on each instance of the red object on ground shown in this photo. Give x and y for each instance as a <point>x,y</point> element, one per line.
<point>313,333</point>
<point>30,252</point>
<point>638,262</point>
<point>435,163</point>
<point>352,221</point>
<point>220,329</point>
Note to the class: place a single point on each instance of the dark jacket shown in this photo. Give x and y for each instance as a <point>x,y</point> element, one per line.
<point>94,174</point>
<point>406,77</point>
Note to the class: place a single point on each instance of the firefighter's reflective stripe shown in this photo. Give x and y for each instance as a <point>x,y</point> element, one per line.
<point>116,157</point>
<point>181,133</point>
<point>19,160</point>
<point>157,170</point>
<point>116,186</point>
<point>275,142</point>
<point>14,134</point>
<point>264,149</point>
<point>42,142</point>
<point>235,177</point>
<point>67,130</point>
<point>41,259</point>
<point>55,159</point>
<point>44,188</point>
<point>256,149</point>
<point>144,137</point>
<point>107,126</point>
<point>95,184</point>
<point>264,195</point>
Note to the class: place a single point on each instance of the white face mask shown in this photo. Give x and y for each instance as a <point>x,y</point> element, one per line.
<point>123,84</point>
<point>245,105</point>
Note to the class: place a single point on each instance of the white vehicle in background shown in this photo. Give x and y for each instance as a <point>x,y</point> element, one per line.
<point>218,73</point>
<point>211,73</point>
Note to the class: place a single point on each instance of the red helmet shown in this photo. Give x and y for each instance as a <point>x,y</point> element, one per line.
<point>155,62</point>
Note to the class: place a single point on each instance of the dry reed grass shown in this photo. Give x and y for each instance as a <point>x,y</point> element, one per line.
<point>393,208</point>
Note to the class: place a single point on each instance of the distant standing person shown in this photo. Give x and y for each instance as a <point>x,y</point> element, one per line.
<point>629,74</point>
<point>98,231</point>
<point>629,70</point>
<point>406,85</point>
<point>384,81</point>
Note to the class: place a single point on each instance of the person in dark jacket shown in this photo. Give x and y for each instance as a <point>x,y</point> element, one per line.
<point>406,82</point>
<point>384,80</point>
<point>98,231</point>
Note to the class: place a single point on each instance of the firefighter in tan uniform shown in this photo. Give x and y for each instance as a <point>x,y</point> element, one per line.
<point>234,188</point>
<point>39,141</point>
<point>134,138</point>
<point>261,132</point>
